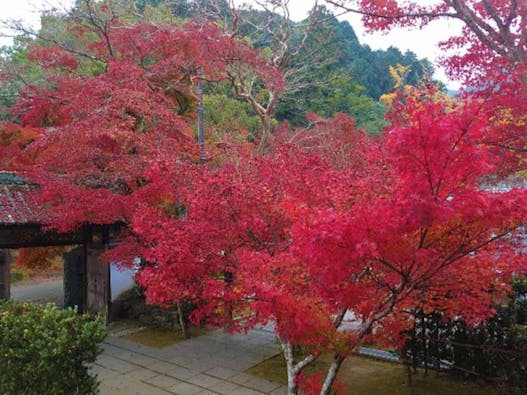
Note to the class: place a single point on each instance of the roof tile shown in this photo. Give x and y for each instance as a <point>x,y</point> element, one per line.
<point>17,204</point>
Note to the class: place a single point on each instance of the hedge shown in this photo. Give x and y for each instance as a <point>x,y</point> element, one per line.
<point>44,350</point>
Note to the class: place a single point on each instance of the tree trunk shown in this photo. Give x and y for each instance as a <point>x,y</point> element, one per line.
<point>181,318</point>
<point>292,386</point>
<point>409,375</point>
<point>332,374</point>
<point>414,346</point>
<point>438,347</point>
<point>227,313</point>
<point>267,131</point>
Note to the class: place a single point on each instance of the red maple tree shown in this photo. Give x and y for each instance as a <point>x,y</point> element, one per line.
<point>121,100</point>
<point>296,240</point>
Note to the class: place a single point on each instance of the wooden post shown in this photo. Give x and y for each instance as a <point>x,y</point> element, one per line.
<point>75,279</point>
<point>97,281</point>
<point>5,274</point>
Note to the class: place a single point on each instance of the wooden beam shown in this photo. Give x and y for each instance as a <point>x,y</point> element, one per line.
<point>27,236</point>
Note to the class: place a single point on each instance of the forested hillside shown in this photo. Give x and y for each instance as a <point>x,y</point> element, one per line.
<point>334,71</point>
<point>339,74</point>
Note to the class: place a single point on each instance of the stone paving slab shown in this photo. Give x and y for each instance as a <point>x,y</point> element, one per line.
<point>210,364</point>
<point>181,373</point>
<point>142,374</point>
<point>245,391</point>
<point>282,390</point>
<point>204,380</point>
<point>221,372</point>
<point>261,385</point>
<point>226,388</point>
<point>126,386</point>
<point>162,381</point>
<point>118,365</point>
<point>186,389</point>
<point>241,378</point>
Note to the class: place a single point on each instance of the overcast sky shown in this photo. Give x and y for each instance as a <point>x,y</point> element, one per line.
<point>423,42</point>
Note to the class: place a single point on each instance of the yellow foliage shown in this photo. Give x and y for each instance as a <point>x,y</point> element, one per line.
<point>388,98</point>
<point>399,73</point>
<point>505,116</point>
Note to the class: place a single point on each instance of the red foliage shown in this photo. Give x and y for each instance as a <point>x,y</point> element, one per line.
<point>53,58</point>
<point>13,139</point>
<point>490,57</point>
<point>311,385</point>
<point>331,221</point>
<point>40,259</point>
<point>97,136</point>
<point>293,237</point>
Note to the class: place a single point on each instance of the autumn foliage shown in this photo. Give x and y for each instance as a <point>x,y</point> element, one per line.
<point>489,57</point>
<point>331,237</point>
<point>296,239</point>
<point>94,135</point>
<point>40,260</point>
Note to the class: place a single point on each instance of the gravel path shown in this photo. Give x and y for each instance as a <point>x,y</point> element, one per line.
<point>42,290</point>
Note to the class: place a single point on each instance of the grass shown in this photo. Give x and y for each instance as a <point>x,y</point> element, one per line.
<point>17,276</point>
<point>365,376</point>
<point>123,324</point>
<point>162,337</point>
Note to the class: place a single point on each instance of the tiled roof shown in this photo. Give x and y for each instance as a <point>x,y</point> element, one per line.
<point>17,206</point>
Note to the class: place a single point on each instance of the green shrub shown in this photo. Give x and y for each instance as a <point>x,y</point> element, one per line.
<point>46,351</point>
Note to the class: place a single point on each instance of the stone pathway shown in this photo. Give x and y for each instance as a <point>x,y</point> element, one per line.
<point>209,364</point>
